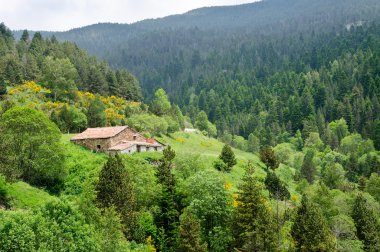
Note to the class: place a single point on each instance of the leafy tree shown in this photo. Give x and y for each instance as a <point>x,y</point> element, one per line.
<point>55,226</point>
<point>333,175</point>
<point>210,202</point>
<point>190,234</point>
<point>160,104</point>
<point>228,157</point>
<point>367,224</point>
<point>268,157</point>
<point>115,189</point>
<point>253,144</point>
<point>96,116</point>
<point>201,122</point>
<point>308,168</point>
<point>254,227</point>
<point>343,228</point>
<point>31,148</point>
<point>373,186</point>
<point>59,76</point>
<point>310,230</point>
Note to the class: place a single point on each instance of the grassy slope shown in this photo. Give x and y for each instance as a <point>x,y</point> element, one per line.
<point>81,163</point>
<point>209,149</point>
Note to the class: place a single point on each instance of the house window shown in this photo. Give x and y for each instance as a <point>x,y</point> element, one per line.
<point>134,138</point>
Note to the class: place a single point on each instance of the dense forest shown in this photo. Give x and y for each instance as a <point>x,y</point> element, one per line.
<point>62,67</point>
<point>285,99</point>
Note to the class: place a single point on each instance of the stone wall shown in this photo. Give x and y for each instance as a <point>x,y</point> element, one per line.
<point>95,144</point>
<point>127,135</point>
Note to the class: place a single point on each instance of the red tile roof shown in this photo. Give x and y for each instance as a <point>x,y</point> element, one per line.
<point>95,133</point>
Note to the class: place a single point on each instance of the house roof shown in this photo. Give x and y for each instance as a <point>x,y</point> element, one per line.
<point>126,144</point>
<point>95,133</point>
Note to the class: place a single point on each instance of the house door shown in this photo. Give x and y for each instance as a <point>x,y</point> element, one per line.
<point>138,148</point>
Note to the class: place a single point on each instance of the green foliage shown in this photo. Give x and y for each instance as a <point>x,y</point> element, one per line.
<point>209,201</point>
<point>69,119</point>
<point>54,227</point>
<point>59,76</point>
<point>310,230</point>
<point>276,187</point>
<point>160,104</point>
<point>3,192</point>
<point>253,143</point>
<point>228,157</point>
<point>254,227</point>
<point>32,149</point>
<point>95,114</point>
<point>343,228</point>
<point>148,123</point>
<point>201,122</point>
<point>115,189</point>
<point>167,219</point>
<point>268,157</point>
<point>308,168</point>
<point>367,224</point>
<point>190,234</point>
<point>373,186</point>
<point>333,176</point>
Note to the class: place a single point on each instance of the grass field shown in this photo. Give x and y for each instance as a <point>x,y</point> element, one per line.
<point>82,163</point>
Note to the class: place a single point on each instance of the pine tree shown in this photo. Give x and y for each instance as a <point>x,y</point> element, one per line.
<point>254,228</point>
<point>228,157</point>
<point>310,230</point>
<point>276,187</point>
<point>367,225</point>
<point>190,234</point>
<point>308,168</point>
<point>115,189</point>
<point>268,157</point>
<point>168,218</point>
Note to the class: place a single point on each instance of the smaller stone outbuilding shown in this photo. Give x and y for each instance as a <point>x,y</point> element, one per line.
<point>120,139</point>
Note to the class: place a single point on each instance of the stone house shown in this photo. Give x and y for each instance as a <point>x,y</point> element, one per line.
<point>121,139</point>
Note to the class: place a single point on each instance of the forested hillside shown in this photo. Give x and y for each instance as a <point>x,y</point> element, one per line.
<point>284,96</point>
<point>62,67</point>
<point>267,68</point>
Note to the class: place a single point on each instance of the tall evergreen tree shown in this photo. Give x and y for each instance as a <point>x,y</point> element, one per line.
<point>115,189</point>
<point>168,218</point>
<point>310,230</point>
<point>308,168</point>
<point>367,224</point>
<point>268,157</point>
<point>228,156</point>
<point>253,225</point>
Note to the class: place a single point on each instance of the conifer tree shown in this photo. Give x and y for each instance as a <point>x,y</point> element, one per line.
<point>308,168</point>
<point>168,218</point>
<point>228,157</point>
<point>276,187</point>
<point>268,158</point>
<point>310,230</point>
<point>367,225</point>
<point>115,189</point>
<point>254,228</point>
<point>190,234</point>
